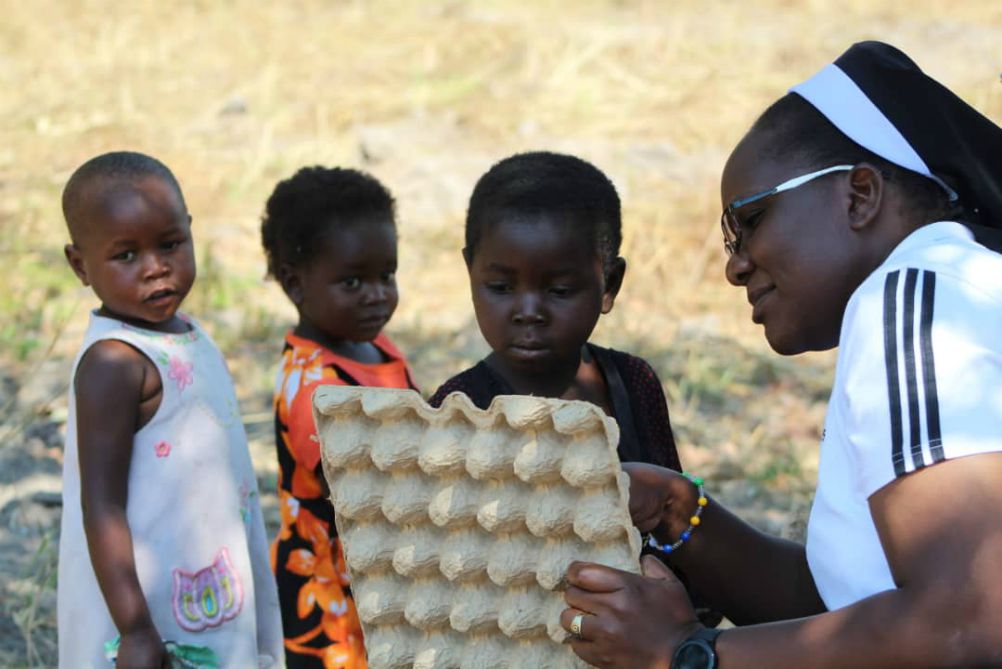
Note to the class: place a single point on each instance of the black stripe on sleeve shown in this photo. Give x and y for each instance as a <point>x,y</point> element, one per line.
<point>891,363</point>
<point>929,367</point>
<point>911,369</point>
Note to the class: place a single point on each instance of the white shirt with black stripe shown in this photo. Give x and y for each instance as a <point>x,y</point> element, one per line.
<point>918,380</point>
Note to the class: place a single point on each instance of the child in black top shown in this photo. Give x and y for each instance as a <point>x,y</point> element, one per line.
<point>543,232</point>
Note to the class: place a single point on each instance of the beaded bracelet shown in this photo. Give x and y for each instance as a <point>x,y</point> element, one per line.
<point>694,521</point>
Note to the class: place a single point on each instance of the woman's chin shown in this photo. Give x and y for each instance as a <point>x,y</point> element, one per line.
<point>782,342</point>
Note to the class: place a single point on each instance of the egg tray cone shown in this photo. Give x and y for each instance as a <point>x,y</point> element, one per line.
<point>458,524</point>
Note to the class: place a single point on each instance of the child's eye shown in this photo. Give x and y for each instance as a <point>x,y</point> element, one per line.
<point>389,277</point>
<point>351,283</point>
<point>498,286</point>
<point>171,245</point>
<point>124,256</point>
<point>560,291</point>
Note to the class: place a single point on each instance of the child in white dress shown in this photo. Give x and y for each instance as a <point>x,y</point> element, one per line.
<point>163,557</point>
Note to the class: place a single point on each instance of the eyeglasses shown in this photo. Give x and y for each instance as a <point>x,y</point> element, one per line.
<point>731,226</point>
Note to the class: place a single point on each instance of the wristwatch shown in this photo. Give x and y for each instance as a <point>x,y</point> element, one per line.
<point>698,651</point>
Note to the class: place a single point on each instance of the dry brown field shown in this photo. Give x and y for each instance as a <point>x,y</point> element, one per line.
<point>235,95</point>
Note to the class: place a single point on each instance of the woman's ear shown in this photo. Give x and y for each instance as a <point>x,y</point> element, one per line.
<point>291,282</point>
<point>613,282</point>
<point>75,259</point>
<point>866,195</point>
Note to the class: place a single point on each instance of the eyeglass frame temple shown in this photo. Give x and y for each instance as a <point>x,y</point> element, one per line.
<point>789,184</point>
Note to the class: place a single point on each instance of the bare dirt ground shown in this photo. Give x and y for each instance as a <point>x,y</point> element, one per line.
<point>426,95</point>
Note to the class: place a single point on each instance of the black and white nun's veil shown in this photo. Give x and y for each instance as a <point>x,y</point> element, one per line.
<point>879,98</point>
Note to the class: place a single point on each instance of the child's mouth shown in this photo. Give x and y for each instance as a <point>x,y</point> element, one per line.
<point>528,350</point>
<point>373,321</point>
<point>160,296</point>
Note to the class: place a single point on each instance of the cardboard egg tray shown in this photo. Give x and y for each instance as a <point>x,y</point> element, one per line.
<point>458,524</point>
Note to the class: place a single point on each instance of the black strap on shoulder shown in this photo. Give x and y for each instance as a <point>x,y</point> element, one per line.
<point>344,376</point>
<point>629,438</point>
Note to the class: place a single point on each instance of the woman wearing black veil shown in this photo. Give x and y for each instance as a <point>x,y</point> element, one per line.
<point>862,210</point>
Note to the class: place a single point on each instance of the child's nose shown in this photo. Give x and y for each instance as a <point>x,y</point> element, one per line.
<point>155,266</point>
<point>528,310</point>
<point>375,293</point>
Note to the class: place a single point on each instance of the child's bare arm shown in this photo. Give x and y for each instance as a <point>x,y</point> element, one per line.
<point>110,388</point>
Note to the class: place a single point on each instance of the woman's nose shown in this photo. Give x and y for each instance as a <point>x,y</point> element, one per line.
<point>739,267</point>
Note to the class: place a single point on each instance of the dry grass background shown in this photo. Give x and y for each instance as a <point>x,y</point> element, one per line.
<point>426,95</point>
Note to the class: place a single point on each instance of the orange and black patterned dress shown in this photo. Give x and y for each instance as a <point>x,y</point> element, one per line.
<point>320,623</point>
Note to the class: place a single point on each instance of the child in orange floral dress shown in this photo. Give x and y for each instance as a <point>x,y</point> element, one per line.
<point>331,242</point>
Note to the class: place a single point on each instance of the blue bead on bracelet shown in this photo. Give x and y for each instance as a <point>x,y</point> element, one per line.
<point>694,521</point>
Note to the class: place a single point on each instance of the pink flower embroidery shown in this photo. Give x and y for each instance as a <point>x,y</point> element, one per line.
<point>181,372</point>
<point>162,449</point>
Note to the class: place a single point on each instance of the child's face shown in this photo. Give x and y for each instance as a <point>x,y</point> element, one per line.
<point>798,256</point>
<point>348,290</point>
<point>135,251</point>
<point>538,290</point>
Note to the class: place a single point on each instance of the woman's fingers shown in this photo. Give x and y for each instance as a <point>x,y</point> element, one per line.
<point>624,620</point>
<point>654,568</point>
<point>591,653</point>
<point>647,521</point>
<point>657,494</point>
<point>592,603</point>
<point>595,577</point>
<point>568,618</point>
<point>581,639</point>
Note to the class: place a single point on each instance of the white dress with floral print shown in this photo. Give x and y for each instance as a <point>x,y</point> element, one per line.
<point>197,530</point>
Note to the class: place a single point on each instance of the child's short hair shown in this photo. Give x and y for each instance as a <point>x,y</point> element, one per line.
<point>303,208</point>
<point>799,132</point>
<point>116,165</point>
<point>541,182</point>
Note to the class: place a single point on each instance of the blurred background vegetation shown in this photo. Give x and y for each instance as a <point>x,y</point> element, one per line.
<point>235,95</point>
